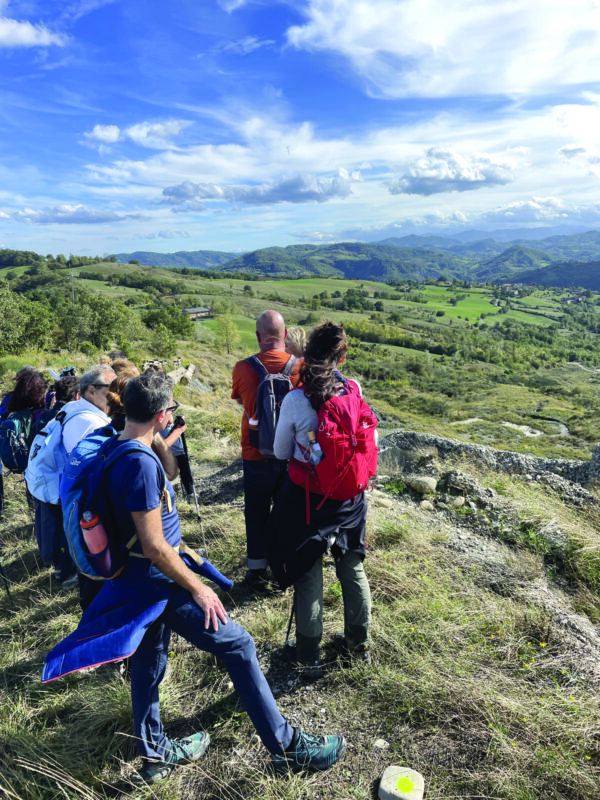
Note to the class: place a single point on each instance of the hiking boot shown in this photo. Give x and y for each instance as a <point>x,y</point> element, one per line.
<point>360,654</point>
<point>72,582</point>
<point>310,752</point>
<point>259,582</point>
<point>312,670</point>
<point>183,751</point>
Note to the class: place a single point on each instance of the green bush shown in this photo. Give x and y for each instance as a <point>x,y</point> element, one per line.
<point>10,364</point>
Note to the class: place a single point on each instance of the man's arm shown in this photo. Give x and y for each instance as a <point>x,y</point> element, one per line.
<point>148,525</point>
<point>165,456</point>
<point>237,387</point>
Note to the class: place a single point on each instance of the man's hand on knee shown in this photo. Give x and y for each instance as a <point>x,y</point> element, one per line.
<point>211,606</point>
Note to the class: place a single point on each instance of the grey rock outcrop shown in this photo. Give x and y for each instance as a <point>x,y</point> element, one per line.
<point>397,451</point>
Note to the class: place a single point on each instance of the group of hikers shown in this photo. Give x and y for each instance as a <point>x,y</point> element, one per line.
<point>308,451</point>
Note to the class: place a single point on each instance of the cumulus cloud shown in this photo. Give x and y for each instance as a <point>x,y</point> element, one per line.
<point>105,134</point>
<point>14,33</point>
<point>69,215</point>
<point>437,49</point>
<point>444,170</point>
<point>550,210</point>
<point>537,209</point>
<point>295,189</point>
<point>155,135</point>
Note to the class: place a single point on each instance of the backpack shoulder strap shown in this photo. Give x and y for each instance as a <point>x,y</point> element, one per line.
<point>119,449</point>
<point>115,452</point>
<point>71,413</point>
<point>257,366</point>
<point>291,363</point>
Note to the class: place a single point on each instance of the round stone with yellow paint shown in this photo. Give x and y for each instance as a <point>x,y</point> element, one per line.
<point>401,783</point>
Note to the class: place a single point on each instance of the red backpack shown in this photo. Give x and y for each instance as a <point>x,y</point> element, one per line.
<point>346,433</point>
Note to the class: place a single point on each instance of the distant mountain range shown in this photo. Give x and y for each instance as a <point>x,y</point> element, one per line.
<point>565,260</point>
<point>196,259</point>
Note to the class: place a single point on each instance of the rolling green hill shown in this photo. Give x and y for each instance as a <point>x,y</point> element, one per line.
<point>352,260</point>
<point>511,263</point>
<point>569,273</point>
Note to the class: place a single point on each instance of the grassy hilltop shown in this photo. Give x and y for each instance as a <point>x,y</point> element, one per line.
<point>485,596</point>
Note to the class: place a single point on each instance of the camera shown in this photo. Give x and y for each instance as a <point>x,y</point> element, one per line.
<point>178,422</point>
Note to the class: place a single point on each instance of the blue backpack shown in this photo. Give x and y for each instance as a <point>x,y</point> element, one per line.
<point>271,390</point>
<point>82,488</point>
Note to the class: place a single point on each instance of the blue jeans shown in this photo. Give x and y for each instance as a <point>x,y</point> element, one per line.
<point>231,643</point>
<point>262,481</point>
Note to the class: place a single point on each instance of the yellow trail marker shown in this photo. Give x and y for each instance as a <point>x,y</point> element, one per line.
<point>401,783</point>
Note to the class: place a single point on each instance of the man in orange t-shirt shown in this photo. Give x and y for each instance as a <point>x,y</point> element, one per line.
<point>263,477</point>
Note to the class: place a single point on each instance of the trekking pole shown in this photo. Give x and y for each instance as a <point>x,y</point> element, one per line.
<point>187,458</point>
<point>289,627</point>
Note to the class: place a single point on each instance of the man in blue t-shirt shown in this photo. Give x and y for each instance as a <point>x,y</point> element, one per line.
<point>141,500</point>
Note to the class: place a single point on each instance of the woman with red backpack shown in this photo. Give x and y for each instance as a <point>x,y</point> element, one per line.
<point>328,433</point>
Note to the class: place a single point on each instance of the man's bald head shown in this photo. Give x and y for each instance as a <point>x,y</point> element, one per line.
<point>270,331</point>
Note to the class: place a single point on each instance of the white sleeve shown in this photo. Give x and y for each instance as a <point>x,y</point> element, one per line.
<point>283,445</point>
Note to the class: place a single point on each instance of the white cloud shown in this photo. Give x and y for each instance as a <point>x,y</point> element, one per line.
<point>244,46</point>
<point>419,223</point>
<point>435,48</point>
<point>587,158</point>
<point>537,209</point>
<point>82,8</point>
<point>68,214</point>
<point>106,134</point>
<point>231,5</point>
<point>15,34</point>
<point>156,134</point>
<point>550,210</point>
<point>444,170</point>
<point>167,234</point>
<point>295,189</point>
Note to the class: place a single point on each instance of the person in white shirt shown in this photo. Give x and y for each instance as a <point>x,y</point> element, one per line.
<point>93,398</point>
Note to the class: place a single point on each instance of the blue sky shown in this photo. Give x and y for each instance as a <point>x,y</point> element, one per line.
<point>238,124</point>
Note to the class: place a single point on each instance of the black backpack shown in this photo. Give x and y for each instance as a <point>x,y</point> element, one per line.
<point>15,440</point>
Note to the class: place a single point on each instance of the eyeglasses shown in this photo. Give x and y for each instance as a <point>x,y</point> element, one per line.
<point>172,408</point>
<point>101,385</point>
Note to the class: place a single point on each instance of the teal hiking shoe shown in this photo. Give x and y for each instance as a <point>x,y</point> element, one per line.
<point>183,751</point>
<point>310,752</point>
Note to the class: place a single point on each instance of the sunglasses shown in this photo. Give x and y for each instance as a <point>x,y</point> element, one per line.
<point>101,385</point>
<point>174,407</point>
